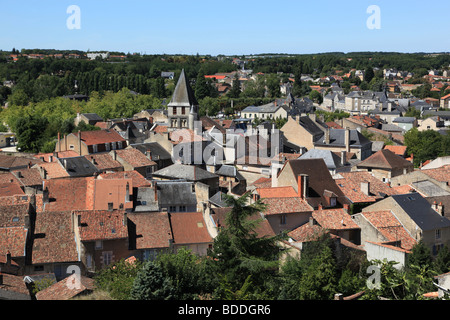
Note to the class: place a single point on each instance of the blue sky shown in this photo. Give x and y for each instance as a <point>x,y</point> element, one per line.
<point>226,27</point>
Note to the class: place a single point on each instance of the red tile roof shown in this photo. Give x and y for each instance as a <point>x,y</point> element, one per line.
<point>441,174</point>
<point>277,192</point>
<point>388,225</point>
<point>100,136</point>
<point>350,184</point>
<point>136,177</point>
<point>13,239</point>
<point>66,288</point>
<point>285,205</point>
<point>10,189</point>
<point>54,239</point>
<point>14,284</point>
<point>398,150</point>
<point>307,233</point>
<point>134,158</point>
<point>102,225</point>
<point>189,228</point>
<point>385,159</point>
<point>334,219</point>
<point>104,162</point>
<point>152,230</point>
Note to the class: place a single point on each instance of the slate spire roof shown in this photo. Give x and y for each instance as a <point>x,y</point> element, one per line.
<point>183,95</point>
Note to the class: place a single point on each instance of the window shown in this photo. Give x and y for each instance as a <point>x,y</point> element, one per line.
<point>95,148</point>
<point>172,209</point>
<point>71,147</point>
<point>182,208</point>
<point>107,257</point>
<point>283,219</point>
<point>183,110</point>
<point>119,145</point>
<point>98,244</point>
<point>438,233</point>
<point>107,146</point>
<point>174,111</point>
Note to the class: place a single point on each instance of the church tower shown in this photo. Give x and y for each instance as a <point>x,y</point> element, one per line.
<point>183,107</point>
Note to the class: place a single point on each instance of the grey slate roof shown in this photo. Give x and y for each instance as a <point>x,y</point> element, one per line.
<point>219,199</point>
<point>155,148</point>
<point>337,138</point>
<point>332,161</point>
<point>176,193</point>
<point>420,211</point>
<point>78,166</point>
<point>184,172</point>
<point>404,119</point>
<point>183,95</point>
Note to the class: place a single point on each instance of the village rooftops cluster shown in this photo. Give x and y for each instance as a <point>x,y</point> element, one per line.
<point>121,193</point>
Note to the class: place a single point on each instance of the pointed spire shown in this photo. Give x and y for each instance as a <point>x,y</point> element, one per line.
<point>183,95</point>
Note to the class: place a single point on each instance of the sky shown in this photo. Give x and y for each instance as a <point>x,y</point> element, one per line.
<point>227,27</point>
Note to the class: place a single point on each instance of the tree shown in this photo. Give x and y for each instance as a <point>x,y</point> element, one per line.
<point>202,89</point>
<point>118,279</point>
<point>235,90</point>
<point>315,96</point>
<point>152,284</point>
<point>442,262</point>
<point>369,75</point>
<point>238,252</point>
<point>29,131</point>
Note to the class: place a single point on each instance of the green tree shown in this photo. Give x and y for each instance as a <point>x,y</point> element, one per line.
<point>369,75</point>
<point>202,88</point>
<point>235,90</point>
<point>238,252</point>
<point>442,262</point>
<point>29,131</point>
<point>118,279</point>
<point>152,284</point>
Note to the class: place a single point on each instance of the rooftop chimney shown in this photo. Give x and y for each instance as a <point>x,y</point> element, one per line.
<point>365,188</point>
<point>327,135</point>
<point>347,139</point>
<point>302,186</point>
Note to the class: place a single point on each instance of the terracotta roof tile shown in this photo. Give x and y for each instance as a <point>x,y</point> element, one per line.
<point>29,177</point>
<point>441,174</point>
<point>277,192</point>
<point>350,184</point>
<point>10,189</point>
<point>14,283</point>
<point>152,230</point>
<point>104,162</point>
<point>285,205</point>
<point>388,225</point>
<point>138,179</point>
<point>54,240</point>
<point>66,288</point>
<point>398,150</point>
<point>189,228</point>
<point>134,158</point>
<point>334,219</point>
<point>13,239</point>
<point>385,159</point>
<point>100,136</point>
<point>102,225</point>
<point>14,215</point>
<point>307,232</point>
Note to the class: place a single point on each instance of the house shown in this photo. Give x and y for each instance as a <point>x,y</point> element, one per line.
<point>87,193</point>
<point>418,217</point>
<point>434,123</point>
<point>54,245</point>
<point>155,152</point>
<point>182,109</point>
<point>445,102</point>
<point>132,130</point>
<point>102,237</point>
<point>30,180</point>
<point>406,123</point>
<point>311,178</point>
<point>104,162</point>
<point>384,236</point>
<point>133,159</point>
<point>15,232</point>
<point>188,173</point>
<point>88,142</point>
<point>68,288</point>
<point>78,166</point>
<point>333,162</point>
<point>362,188</point>
<point>302,131</point>
<point>10,163</point>
<point>88,118</point>
<point>336,222</point>
<point>190,232</point>
<point>267,111</point>
<point>155,115</point>
<point>385,165</point>
<point>285,209</point>
<point>365,101</point>
<point>216,219</point>
<point>348,140</point>
<point>12,287</point>
<point>230,179</point>
<point>149,234</point>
